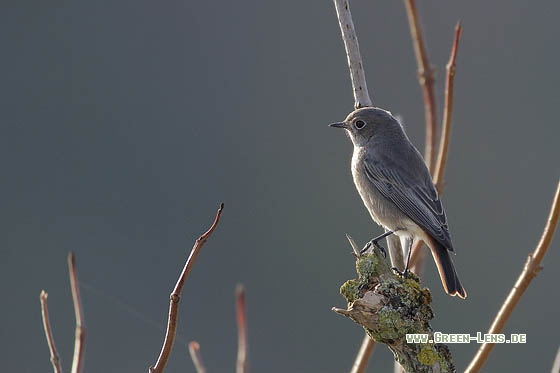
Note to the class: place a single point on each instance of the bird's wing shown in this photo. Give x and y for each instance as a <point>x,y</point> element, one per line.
<point>412,191</point>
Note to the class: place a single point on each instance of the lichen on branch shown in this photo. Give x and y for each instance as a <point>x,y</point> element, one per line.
<point>389,306</point>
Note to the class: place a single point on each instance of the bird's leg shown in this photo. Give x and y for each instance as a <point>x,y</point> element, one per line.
<point>376,245</point>
<point>409,246</point>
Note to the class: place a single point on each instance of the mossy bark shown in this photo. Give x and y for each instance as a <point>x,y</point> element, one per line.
<point>389,307</point>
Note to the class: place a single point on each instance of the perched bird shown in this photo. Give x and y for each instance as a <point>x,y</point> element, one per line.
<point>397,189</point>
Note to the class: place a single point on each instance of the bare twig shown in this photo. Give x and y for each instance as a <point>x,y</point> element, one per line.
<point>532,267</point>
<point>176,297</point>
<point>418,255</point>
<point>357,74</point>
<point>426,80</point>
<point>447,113</point>
<point>55,359</point>
<point>241,329</point>
<point>368,344</point>
<point>362,359</point>
<point>361,99</point>
<point>556,364</point>
<point>80,335</point>
<point>194,350</point>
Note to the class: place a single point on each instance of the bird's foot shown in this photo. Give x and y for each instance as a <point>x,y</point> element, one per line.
<point>376,245</point>
<point>404,274</point>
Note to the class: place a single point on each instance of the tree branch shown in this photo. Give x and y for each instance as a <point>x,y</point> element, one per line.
<point>194,350</point>
<point>55,359</point>
<point>426,80</point>
<point>80,335</point>
<point>362,359</point>
<point>353,56</point>
<point>389,307</point>
<point>368,344</point>
<point>176,297</point>
<point>556,364</point>
<point>361,99</point>
<point>417,257</point>
<point>532,267</point>
<point>445,136</point>
<point>241,329</point>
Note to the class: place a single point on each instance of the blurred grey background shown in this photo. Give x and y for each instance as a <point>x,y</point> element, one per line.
<point>125,124</point>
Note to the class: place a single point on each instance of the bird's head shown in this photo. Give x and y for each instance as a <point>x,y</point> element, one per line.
<point>365,123</point>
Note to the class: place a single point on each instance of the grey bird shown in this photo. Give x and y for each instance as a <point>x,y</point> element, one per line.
<point>397,189</point>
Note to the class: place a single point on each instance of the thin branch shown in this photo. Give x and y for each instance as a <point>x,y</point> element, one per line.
<point>354,58</point>
<point>361,99</point>
<point>55,359</point>
<point>194,350</point>
<point>447,113</point>
<point>418,255</point>
<point>426,80</point>
<point>366,348</point>
<point>556,364</point>
<point>362,359</point>
<point>532,267</point>
<point>241,329</point>
<point>176,297</point>
<point>80,334</point>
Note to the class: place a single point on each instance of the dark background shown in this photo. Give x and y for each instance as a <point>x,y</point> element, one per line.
<point>125,124</point>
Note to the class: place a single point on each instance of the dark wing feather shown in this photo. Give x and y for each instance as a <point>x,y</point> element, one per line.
<point>413,192</point>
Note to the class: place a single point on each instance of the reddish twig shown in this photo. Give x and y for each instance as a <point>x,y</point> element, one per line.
<point>176,297</point>
<point>426,80</point>
<point>353,56</point>
<point>241,329</point>
<point>362,359</point>
<point>447,113</point>
<point>532,267</point>
<point>418,255</point>
<point>194,350</point>
<point>55,359</point>
<point>80,334</point>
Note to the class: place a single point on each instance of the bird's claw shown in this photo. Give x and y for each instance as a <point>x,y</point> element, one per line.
<point>365,248</point>
<point>376,245</point>
<point>403,274</point>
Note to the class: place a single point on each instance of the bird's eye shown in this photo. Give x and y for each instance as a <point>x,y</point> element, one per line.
<point>359,124</point>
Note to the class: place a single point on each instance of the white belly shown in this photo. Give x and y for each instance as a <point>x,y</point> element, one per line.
<point>383,212</point>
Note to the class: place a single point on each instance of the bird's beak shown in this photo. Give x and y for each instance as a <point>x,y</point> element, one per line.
<point>339,125</point>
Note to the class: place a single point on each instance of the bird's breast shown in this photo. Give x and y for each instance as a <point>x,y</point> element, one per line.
<point>382,211</point>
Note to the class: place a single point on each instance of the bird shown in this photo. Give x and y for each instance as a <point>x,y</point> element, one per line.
<point>397,189</point>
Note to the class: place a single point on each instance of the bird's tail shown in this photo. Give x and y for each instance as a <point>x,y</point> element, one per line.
<point>446,270</point>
